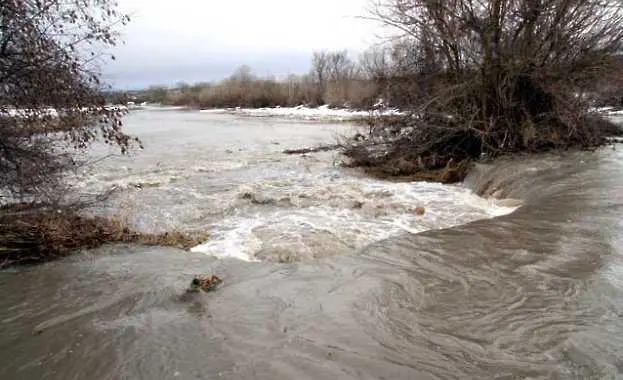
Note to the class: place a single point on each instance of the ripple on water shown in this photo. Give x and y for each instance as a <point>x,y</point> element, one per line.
<point>533,295</point>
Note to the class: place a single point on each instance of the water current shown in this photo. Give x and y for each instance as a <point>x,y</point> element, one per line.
<point>515,274</point>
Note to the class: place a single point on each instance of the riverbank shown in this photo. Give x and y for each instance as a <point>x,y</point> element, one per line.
<point>304,112</point>
<point>35,233</point>
<point>438,148</point>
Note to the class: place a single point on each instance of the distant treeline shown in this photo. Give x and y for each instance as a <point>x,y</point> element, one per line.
<point>335,79</point>
<point>390,72</point>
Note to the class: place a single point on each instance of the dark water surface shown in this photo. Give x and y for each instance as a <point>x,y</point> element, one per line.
<point>536,294</point>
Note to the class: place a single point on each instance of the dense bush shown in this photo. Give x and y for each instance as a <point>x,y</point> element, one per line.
<point>511,76</point>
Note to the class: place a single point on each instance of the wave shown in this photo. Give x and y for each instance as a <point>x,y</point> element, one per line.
<point>526,179</point>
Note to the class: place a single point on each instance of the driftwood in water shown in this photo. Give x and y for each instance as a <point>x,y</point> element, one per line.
<point>322,148</point>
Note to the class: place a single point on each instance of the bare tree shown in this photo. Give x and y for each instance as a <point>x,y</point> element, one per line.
<point>157,94</point>
<point>332,73</point>
<point>51,96</point>
<point>376,63</point>
<point>502,75</point>
<point>342,72</point>
<point>340,66</point>
<point>319,74</point>
<point>243,75</point>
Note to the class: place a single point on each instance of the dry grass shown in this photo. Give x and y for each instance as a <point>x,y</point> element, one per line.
<point>41,235</point>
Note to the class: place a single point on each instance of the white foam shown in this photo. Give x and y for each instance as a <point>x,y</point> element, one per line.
<point>237,241</point>
<point>387,209</point>
<point>493,207</point>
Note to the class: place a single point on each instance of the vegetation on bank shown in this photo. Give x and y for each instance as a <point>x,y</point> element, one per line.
<point>335,79</point>
<point>33,234</point>
<point>47,52</point>
<point>395,72</point>
<point>436,154</point>
<point>514,76</point>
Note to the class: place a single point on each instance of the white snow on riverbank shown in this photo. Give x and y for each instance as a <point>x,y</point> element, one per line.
<point>608,111</point>
<point>302,112</point>
<point>52,112</point>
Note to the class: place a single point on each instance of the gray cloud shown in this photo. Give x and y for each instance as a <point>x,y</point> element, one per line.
<point>198,40</point>
<point>132,76</point>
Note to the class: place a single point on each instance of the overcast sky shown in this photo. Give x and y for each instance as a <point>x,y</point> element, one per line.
<point>203,40</point>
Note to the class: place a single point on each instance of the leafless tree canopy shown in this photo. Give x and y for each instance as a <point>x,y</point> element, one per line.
<point>335,77</point>
<point>498,76</point>
<point>460,35</point>
<point>50,93</point>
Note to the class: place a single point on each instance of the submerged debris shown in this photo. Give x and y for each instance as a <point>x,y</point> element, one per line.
<point>419,210</point>
<point>204,284</point>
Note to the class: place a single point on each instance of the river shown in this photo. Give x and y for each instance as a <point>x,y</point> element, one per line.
<point>327,273</point>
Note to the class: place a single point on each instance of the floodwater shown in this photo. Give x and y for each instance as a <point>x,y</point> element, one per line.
<point>328,274</point>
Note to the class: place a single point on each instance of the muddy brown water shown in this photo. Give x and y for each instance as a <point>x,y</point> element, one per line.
<point>534,294</point>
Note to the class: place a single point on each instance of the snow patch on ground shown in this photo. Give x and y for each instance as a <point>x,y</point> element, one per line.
<point>608,111</point>
<point>51,112</point>
<point>305,113</point>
